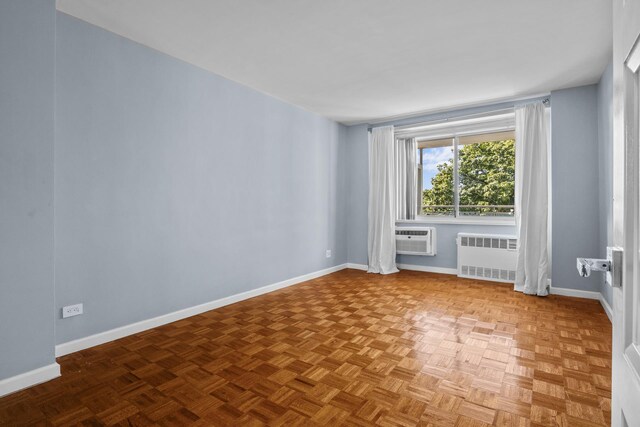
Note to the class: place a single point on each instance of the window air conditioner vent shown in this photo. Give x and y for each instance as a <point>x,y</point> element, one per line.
<point>416,241</point>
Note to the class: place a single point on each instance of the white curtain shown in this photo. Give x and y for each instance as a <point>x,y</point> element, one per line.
<point>532,199</point>
<point>382,202</point>
<point>406,178</point>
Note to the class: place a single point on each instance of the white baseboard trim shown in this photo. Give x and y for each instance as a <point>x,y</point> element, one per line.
<point>28,379</point>
<point>607,308</point>
<point>412,267</point>
<point>133,328</point>
<point>566,292</point>
<point>427,269</point>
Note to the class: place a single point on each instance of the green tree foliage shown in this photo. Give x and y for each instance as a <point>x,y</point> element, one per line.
<point>487,175</point>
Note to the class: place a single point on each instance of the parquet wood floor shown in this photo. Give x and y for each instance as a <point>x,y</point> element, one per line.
<point>349,349</point>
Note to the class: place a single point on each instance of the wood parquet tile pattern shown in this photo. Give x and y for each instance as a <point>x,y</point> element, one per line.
<point>350,349</point>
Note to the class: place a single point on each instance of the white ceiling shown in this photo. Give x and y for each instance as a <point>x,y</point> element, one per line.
<point>366,60</point>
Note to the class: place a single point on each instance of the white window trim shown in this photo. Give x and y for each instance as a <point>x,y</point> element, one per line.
<point>501,221</point>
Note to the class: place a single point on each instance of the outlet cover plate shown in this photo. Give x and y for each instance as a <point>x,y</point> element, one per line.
<point>72,310</point>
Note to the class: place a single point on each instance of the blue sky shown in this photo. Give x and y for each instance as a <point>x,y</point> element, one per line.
<point>431,158</point>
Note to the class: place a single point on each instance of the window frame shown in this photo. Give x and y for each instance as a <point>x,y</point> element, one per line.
<point>456,218</point>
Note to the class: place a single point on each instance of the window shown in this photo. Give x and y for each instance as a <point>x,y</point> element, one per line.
<point>467,176</point>
<point>435,177</point>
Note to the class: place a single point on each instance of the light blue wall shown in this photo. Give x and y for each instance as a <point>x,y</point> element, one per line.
<point>575,169</point>
<point>176,187</point>
<point>27,34</point>
<point>605,169</point>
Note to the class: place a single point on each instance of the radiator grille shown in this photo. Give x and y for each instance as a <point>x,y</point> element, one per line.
<point>487,257</point>
<point>488,273</point>
<point>489,242</point>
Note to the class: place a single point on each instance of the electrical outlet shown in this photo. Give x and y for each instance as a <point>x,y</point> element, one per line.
<point>71,310</point>
<point>328,253</point>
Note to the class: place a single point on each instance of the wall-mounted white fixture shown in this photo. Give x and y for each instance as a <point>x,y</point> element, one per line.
<point>487,256</point>
<point>72,310</point>
<point>416,241</point>
<point>611,266</point>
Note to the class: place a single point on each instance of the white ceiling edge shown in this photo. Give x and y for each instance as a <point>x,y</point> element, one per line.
<point>348,61</point>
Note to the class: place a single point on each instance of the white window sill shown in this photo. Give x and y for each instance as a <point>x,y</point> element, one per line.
<point>468,221</point>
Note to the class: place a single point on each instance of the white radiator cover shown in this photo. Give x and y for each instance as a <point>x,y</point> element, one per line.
<point>416,241</point>
<point>487,257</point>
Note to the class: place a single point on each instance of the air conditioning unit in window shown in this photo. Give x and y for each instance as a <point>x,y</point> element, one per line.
<point>416,241</point>
<point>487,257</point>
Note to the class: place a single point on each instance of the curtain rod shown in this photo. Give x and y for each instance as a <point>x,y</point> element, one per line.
<point>546,101</point>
